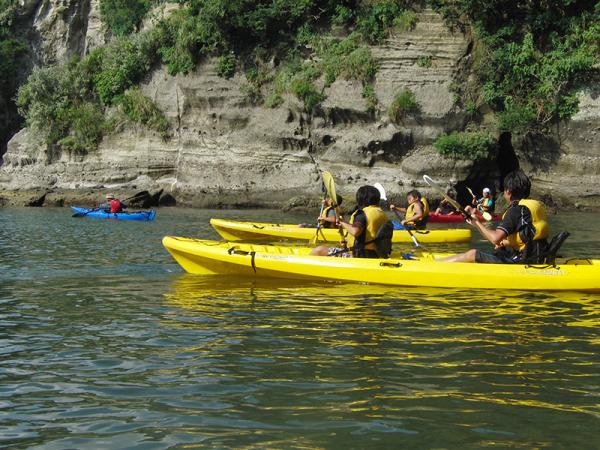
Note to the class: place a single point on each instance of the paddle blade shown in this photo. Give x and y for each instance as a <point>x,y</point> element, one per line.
<point>330,186</point>
<point>486,216</point>
<point>381,190</point>
<point>471,192</point>
<point>414,239</point>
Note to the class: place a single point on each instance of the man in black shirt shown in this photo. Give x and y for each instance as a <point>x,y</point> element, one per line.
<point>522,232</point>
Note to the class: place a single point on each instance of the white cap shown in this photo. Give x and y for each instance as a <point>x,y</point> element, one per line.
<point>487,190</point>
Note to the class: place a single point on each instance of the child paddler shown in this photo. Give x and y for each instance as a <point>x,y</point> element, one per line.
<point>328,217</point>
<point>521,236</point>
<point>416,213</point>
<point>486,202</point>
<point>369,229</point>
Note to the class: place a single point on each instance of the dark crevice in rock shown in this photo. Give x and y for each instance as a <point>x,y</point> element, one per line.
<point>37,202</point>
<point>300,143</point>
<point>506,160</point>
<point>341,116</point>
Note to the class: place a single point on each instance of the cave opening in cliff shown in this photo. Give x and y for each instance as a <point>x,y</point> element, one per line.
<point>506,160</point>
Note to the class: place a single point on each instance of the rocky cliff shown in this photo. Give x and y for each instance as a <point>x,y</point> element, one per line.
<point>225,151</point>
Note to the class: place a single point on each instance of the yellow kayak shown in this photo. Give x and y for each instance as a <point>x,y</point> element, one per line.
<point>233,230</point>
<point>272,261</point>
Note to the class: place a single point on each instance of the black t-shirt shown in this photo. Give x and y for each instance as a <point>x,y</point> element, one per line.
<point>360,220</point>
<point>518,219</point>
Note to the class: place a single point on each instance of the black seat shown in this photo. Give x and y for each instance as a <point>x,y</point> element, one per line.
<point>554,246</point>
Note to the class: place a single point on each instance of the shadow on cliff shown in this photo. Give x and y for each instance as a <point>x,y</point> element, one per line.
<point>542,152</point>
<point>145,199</point>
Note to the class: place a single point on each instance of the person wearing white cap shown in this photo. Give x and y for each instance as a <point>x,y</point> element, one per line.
<point>485,203</point>
<point>112,204</point>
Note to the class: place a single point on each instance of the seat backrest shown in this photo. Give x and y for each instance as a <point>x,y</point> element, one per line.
<point>554,246</point>
<point>383,240</point>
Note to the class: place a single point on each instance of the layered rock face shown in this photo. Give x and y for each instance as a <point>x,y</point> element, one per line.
<point>566,165</point>
<point>225,151</point>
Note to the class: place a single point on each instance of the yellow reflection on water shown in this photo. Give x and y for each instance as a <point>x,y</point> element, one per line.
<point>506,347</point>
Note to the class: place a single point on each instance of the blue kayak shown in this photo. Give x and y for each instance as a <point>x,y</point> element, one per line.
<point>102,214</point>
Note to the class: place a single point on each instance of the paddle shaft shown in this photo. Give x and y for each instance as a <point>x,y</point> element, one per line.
<point>331,192</point>
<point>412,236</point>
<point>449,199</point>
<point>315,239</point>
<point>82,214</point>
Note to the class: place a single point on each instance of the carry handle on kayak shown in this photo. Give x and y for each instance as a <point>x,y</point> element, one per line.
<point>236,251</point>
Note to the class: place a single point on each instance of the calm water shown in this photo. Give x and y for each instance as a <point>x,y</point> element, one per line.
<point>105,343</point>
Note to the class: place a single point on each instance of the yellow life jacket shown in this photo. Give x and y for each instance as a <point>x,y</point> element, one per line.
<point>410,212</point>
<point>375,219</point>
<point>539,221</point>
<point>324,215</point>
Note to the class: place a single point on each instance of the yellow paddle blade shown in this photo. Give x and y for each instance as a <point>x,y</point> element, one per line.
<point>330,186</point>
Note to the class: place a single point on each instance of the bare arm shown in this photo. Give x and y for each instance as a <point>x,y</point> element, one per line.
<point>495,236</point>
<point>418,215</point>
<point>330,219</point>
<point>354,230</point>
<point>394,207</point>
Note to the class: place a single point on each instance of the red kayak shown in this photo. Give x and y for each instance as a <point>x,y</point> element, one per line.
<point>456,218</point>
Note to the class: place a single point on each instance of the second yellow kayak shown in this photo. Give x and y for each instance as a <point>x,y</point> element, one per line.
<point>233,230</point>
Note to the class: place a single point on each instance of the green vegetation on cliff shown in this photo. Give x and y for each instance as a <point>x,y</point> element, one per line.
<point>66,104</point>
<point>530,57</point>
<point>122,17</point>
<point>465,145</point>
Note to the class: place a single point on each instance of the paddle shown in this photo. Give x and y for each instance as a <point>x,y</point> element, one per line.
<point>471,192</point>
<point>449,199</point>
<point>330,186</point>
<point>383,196</point>
<point>81,214</point>
<point>315,238</point>
<point>486,215</point>
<point>381,190</point>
